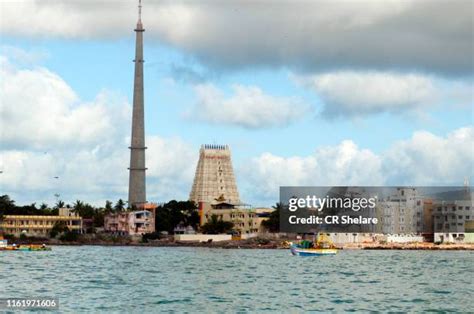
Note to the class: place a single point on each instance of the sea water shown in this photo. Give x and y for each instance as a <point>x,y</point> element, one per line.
<point>147,279</point>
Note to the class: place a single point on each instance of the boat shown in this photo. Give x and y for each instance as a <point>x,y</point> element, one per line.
<point>33,247</point>
<point>23,247</point>
<point>322,246</point>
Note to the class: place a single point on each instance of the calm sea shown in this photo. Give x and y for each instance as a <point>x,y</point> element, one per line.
<point>142,279</point>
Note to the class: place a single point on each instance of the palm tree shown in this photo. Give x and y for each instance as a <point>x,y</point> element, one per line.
<point>119,206</point>
<point>272,224</point>
<point>59,204</point>
<point>108,206</point>
<point>77,207</point>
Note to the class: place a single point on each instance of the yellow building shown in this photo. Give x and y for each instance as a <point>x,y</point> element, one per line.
<point>32,225</point>
<point>245,220</point>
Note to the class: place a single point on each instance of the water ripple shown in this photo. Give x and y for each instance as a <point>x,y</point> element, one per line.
<point>123,279</point>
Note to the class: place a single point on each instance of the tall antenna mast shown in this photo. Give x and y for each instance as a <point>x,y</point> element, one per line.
<point>137,178</point>
<point>140,10</point>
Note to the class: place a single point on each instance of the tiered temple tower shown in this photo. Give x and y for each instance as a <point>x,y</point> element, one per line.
<point>214,177</point>
<point>137,180</point>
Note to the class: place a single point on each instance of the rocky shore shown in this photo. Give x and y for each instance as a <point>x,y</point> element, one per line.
<point>254,243</point>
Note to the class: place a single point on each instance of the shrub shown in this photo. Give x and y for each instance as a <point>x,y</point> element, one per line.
<point>69,236</point>
<point>150,236</point>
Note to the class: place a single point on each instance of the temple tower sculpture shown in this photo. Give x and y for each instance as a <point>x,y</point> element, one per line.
<point>214,178</point>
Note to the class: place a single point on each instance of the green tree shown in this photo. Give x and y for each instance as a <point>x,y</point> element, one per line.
<point>98,219</point>
<point>169,215</point>
<point>59,228</point>
<point>83,209</point>
<point>6,206</point>
<point>108,207</point>
<point>119,206</point>
<point>69,236</point>
<point>77,207</point>
<point>59,204</point>
<point>6,203</point>
<point>217,226</point>
<point>272,224</point>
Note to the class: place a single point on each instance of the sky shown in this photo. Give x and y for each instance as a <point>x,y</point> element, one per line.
<point>318,93</point>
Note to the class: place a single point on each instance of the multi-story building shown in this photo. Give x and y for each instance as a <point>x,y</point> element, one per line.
<point>40,226</point>
<point>130,223</point>
<point>244,219</point>
<point>402,212</point>
<point>450,219</point>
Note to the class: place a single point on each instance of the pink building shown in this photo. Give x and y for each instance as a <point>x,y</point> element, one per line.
<point>130,223</point>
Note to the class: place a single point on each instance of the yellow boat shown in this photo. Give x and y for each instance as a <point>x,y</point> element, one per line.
<point>23,247</point>
<point>322,246</point>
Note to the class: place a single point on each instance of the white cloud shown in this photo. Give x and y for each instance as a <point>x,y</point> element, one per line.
<point>362,93</point>
<point>343,164</point>
<point>359,93</point>
<point>94,174</point>
<point>21,56</point>
<point>171,165</point>
<point>40,110</point>
<point>431,160</point>
<point>424,159</point>
<point>431,35</point>
<point>47,131</point>
<point>247,107</point>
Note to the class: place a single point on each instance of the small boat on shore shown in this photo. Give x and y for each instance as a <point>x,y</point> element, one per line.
<point>322,246</point>
<point>22,247</point>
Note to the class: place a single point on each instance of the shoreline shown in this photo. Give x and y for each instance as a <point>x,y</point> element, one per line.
<point>252,243</point>
<point>278,245</point>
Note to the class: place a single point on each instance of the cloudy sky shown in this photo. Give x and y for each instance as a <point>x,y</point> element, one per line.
<point>317,92</point>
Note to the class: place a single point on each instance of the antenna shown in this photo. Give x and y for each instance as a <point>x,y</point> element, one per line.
<point>140,10</point>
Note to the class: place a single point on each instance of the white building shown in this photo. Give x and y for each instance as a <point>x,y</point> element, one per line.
<point>402,213</point>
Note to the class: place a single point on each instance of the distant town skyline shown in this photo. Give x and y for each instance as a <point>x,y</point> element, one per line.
<point>320,93</point>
